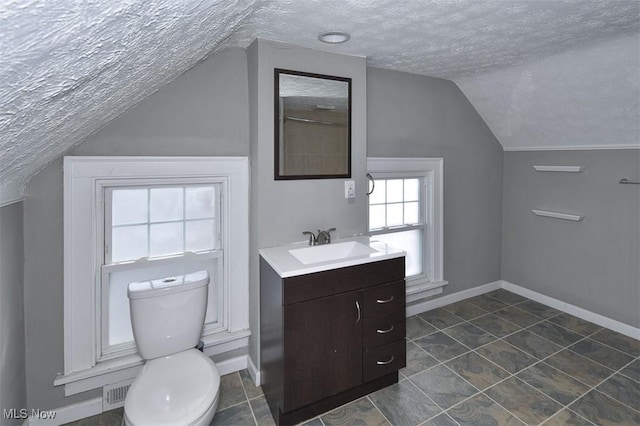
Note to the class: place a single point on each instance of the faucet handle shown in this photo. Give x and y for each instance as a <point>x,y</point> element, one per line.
<point>312,238</point>
<point>324,237</point>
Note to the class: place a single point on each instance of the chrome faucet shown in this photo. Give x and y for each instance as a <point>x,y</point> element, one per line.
<point>323,237</point>
<point>312,238</point>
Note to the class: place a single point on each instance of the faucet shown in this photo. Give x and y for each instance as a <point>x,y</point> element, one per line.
<point>312,238</point>
<point>323,237</point>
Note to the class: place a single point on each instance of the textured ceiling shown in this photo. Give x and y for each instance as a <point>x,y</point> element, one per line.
<point>68,67</point>
<point>584,97</point>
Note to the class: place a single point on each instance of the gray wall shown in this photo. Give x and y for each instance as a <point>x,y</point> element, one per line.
<point>592,264</point>
<point>203,112</point>
<point>416,116</point>
<point>281,210</point>
<point>13,392</point>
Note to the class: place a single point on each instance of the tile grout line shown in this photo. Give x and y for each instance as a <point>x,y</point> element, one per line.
<point>470,350</point>
<point>512,375</point>
<point>539,360</point>
<point>379,410</point>
<point>247,400</point>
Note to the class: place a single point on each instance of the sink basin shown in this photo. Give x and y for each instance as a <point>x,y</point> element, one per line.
<point>330,252</point>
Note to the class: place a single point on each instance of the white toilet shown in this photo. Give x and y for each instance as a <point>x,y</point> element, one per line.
<point>178,385</point>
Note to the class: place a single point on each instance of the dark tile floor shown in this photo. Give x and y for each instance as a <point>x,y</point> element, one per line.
<point>495,359</point>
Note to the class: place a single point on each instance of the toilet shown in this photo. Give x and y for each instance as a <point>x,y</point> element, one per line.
<point>178,385</point>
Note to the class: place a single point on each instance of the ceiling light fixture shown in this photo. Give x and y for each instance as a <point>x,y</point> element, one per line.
<point>334,37</point>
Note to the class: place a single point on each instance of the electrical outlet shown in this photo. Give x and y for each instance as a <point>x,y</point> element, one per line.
<point>349,189</point>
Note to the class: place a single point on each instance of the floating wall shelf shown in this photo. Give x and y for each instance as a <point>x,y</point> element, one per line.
<point>556,215</point>
<point>566,169</point>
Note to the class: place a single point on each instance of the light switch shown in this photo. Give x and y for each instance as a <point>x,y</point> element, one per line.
<point>349,189</point>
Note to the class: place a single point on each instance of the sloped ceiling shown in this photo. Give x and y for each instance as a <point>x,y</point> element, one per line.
<point>588,97</point>
<point>69,67</point>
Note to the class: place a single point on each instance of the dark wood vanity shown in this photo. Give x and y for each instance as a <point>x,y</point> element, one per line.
<point>330,337</point>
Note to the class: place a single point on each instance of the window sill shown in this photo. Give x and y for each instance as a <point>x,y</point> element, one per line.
<point>127,367</point>
<point>418,290</point>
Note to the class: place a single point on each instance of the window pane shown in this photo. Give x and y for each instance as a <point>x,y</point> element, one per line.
<point>200,235</point>
<point>200,202</point>
<point>119,330</point>
<point>411,213</point>
<point>376,217</point>
<point>166,239</point>
<point>394,190</point>
<point>128,206</point>
<point>166,204</point>
<point>128,243</point>
<point>412,189</point>
<point>118,326</point>
<point>409,241</point>
<point>379,192</point>
<point>394,214</point>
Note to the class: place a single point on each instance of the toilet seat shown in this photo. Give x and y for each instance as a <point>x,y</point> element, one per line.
<point>178,389</point>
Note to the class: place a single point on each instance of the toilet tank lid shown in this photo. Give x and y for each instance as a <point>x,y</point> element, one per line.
<point>168,285</point>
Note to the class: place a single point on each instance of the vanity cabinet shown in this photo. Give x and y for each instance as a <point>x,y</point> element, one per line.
<point>330,337</point>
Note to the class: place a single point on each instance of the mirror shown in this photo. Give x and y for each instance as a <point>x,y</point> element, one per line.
<point>312,126</point>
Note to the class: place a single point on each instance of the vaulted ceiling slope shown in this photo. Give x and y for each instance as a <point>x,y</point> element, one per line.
<point>68,67</point>
<point>587,97</point>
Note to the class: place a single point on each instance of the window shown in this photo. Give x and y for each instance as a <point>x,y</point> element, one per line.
<point>405,210</point>
<point>151,222</point>
<point>396,215</point>
<point>138,218</point>
<point>153,231</point>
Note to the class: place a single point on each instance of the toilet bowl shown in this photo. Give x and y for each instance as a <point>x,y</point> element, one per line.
<point>180,389</point>
<point>178,385</point>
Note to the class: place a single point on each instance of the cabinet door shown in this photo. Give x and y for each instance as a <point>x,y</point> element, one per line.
<point>322,348</point>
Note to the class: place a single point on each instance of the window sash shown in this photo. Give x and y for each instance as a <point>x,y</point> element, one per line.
<point>423,225</point>
<point>110,186</point>
<point>401,202</point>
<point>105,350</point>
<point>190,262</point>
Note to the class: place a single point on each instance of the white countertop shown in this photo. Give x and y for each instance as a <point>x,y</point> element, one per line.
<point>286,265</point>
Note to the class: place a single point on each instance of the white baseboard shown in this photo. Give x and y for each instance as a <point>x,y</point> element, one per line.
<point>254,372</point>
<point>577,311</point>
<point>428,305</point>
<point>68,413</point>
<point>232,365</point>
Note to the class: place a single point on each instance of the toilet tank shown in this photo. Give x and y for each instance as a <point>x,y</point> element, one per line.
<point>167,315</point>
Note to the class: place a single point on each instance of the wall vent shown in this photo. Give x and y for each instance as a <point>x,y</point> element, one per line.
<point>113,395</point>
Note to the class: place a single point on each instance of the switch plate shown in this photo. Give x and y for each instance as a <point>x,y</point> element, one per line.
<point>349,189</point>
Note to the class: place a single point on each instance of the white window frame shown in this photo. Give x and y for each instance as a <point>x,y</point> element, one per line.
<point>430,170</point>
<point>103,350</point>
<point>83,246</point>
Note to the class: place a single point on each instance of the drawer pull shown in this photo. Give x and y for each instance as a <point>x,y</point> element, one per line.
<point>359,314</point>
<point>386,362</point>
<point>388,330</point>
<point>381,301</point>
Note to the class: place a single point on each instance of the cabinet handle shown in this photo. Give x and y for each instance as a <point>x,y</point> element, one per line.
<point>385,362</point>
<point>381,301</point>
<point>358,308</point>
<point>388,330</point>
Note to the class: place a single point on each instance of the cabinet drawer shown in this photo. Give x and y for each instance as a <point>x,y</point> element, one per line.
<point>384,300</point>
<point>326,283</point>
<point>383,330</point>
<point>384,360</point>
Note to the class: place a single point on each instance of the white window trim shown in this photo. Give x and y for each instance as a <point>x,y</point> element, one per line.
<point>81,240</point>
<point>128,348</point>
<point>433,170</point>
